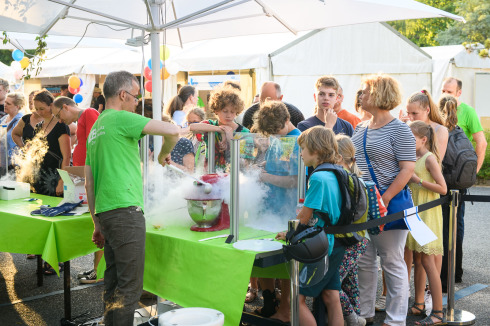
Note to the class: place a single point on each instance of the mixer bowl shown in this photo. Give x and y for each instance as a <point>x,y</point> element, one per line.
<point>204,212</point>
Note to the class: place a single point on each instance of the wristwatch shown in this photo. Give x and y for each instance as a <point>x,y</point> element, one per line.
<point>420,182</point>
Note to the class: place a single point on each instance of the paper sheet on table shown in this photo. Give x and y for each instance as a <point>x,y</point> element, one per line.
<point>79,210</point>
<point>419,230</point>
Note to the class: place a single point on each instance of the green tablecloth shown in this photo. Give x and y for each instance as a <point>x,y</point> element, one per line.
<point>209,274</point>
<point>57,239</point>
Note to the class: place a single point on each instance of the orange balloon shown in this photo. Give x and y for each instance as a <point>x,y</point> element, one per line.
<point>74,82</point>
<point>164,73</point>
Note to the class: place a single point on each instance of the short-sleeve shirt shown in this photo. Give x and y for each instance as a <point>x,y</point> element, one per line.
<point>100,100</point>
<point>28,132</point>
<point>182,148</point>
<point>323,195</point>
<point>386,147</point>
<point>282,159</point>
<point>349,117</point>
<point>113,155</point>
<point>340,127</point>
<point>468,120</point>
<point>296,116</point>
<point>85,123</point>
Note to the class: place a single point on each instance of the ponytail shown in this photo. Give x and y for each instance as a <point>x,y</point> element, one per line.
<point>177,102</point>
<point>448,106</point>
<point>347,153</point>
<point>421,129</point>
<point>425,100</point>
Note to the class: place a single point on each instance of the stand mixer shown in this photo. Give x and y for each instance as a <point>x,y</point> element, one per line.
<point>206,208</point>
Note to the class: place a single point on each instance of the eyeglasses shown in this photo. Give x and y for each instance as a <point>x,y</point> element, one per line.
<point>136,97</point>
<point>57,115</point>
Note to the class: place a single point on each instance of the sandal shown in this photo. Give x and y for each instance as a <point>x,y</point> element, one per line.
<point>251,295</point>
<point>421,312</point>
<point>270,304</point>
<point>48,270</point>
<point>428,320</point>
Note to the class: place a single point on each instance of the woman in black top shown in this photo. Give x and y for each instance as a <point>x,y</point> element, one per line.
<point>57,136</point>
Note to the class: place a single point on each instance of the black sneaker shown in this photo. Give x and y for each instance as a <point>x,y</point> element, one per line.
<point>85,274</point>
<point>89,279</point>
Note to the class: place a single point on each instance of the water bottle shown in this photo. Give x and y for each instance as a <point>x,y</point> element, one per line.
<point>301,202</point>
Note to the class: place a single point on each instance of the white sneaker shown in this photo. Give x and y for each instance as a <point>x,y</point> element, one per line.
<point>380,304</point>
<point>354,320</point>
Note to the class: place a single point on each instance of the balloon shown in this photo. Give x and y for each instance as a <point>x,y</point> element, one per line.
<point>73,90</point>
<point>229,73</point>
<point>172,68</point>
<point>161,64</point>
<point>148,86</point>
<point>164,74</point>
<point>81,82</point>
<point>24,63</point>
<point>18,74</point>
<point>78,98</point>
<point>164,52</point>
<point>15,65</point>
<point>74,82</point>
<point>147,73</point>
<point>17,55</point>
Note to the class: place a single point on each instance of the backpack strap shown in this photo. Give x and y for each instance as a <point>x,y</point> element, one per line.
<point>368,162</point>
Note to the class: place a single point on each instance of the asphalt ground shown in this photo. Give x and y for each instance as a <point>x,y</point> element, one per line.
<point>22,302</point>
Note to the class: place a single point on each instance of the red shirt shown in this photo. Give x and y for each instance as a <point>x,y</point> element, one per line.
<point>85,123</point>
<point>349,117</point>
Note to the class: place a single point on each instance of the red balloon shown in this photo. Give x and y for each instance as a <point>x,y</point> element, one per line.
<point>148,86</point>
<point>73,90</point>
<point>147,73</point>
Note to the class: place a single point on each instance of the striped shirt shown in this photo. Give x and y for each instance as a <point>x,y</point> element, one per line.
<point>386,147</point>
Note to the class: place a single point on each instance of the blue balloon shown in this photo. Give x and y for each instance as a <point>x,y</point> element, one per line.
<point>230,73</point>
<point>18,55</point>
<point>78,98</point>
<point>149,64</point>
<point>81,82</point>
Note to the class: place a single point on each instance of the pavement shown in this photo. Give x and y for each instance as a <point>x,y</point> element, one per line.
<point>22,302</point>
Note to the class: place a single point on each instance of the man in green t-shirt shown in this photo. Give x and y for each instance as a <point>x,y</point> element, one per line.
<point>115,192</point>
<point>469,121</point>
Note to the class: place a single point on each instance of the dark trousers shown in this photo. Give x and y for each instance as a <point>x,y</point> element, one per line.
<point>459,241</point>
<point>124,232</point>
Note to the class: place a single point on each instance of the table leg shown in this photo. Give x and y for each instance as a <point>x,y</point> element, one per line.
<point>67,290</point>
<point>39,272</point>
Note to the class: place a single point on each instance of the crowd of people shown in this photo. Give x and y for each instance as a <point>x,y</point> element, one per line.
<point>402,156</point>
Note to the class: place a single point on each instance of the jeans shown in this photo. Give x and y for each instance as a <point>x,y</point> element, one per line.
<point>124,250</point>
<point>390,246</point>
<point>459,240</point>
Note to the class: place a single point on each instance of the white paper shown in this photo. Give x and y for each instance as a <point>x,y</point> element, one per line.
<point>419,230</point>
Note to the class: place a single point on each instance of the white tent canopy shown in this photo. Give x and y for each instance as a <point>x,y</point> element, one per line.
<point>296,62</point>
<point>456,61</point>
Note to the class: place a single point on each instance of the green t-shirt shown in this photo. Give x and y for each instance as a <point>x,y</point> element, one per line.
<point>113,155</point>
<point>468,120</point>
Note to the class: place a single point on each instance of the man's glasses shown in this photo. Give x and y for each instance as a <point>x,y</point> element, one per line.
<point>57,115</point>
<point>136,98</point>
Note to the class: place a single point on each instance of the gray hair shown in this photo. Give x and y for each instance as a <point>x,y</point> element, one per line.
<point>118,81</point>
<point>4,83</point>
<point>19,99</point>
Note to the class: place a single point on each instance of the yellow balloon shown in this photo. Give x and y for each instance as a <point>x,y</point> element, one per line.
<point>164,73</point>
<point>74,82</point>
<point>164,52</point>
<point>24,63</point>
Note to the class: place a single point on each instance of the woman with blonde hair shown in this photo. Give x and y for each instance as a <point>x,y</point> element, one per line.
<point>385,153</point>
<point>13,105</point>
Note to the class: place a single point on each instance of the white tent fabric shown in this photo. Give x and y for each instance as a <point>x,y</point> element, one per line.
<point>191,20</point>
<point>298,61</point>
<point>455,61</point>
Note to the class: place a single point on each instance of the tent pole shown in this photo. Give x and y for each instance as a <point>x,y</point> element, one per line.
<point>156,82</point>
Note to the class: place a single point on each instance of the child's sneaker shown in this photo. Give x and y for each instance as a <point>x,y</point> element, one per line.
<point>354,320</point>
<point>89,279</point>
<point>380,304</point>
<point>84,274</point>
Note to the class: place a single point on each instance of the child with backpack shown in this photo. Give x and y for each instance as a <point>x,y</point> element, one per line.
<point>318,146</point>
<point>427,184</point>
<point>349,293</point>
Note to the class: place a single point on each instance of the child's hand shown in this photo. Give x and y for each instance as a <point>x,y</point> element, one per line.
<point>281,236</point>
<point>415,178</point>
<point>403,117</point>
<point>330,118</point>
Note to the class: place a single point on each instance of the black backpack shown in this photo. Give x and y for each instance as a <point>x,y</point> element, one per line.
<point>460,161</point>
<point>354,202</point>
